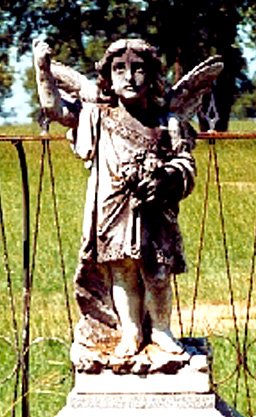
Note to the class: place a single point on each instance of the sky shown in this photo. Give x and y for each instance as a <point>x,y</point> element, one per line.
<point>20,99</point>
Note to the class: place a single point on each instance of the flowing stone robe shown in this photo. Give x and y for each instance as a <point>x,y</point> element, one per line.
<point>118,223</point>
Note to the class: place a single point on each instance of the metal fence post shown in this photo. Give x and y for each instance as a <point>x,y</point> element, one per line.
<point>26,282</point>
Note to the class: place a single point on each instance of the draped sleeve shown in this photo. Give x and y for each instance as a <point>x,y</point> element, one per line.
<point>83,139</point>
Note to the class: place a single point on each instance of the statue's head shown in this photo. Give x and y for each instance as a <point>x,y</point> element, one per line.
<point>129,53</point>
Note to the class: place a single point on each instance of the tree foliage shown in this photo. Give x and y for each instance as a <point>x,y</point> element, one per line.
<point>186,32</point>
<point>245,105</point>
<point>6,72</point>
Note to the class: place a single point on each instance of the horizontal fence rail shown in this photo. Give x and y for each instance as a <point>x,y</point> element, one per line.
<point>210,135</point>
<point>240,382</point>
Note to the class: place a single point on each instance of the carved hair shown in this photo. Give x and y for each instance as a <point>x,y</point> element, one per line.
<point>145,51</point>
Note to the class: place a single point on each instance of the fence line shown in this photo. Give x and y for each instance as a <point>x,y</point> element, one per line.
<point>242,345</point>
<point>209,135</point>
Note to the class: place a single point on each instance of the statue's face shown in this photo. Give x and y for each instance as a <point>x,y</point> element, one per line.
<point>129,77</point>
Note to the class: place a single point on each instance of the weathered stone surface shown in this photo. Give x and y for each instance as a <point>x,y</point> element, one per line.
<point>133,401</point>
<point>164,412</point>
<point>186,381</point>
<point>151,384</point>
<point>150,406</point>
<point>95,357</point>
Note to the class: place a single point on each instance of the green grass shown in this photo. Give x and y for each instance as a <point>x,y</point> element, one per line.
<point>50,366</point>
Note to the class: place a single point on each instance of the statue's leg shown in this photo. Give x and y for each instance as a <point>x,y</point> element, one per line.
<point>128,300</point>
<point>158,302</point>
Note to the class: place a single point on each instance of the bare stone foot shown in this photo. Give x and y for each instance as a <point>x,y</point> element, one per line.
<point>166,342</point>
<point>127,347</point>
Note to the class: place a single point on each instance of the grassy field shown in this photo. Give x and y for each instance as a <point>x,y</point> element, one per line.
<point>50,366</point>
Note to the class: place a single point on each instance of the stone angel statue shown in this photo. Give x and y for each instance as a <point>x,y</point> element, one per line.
<point>137,144</point>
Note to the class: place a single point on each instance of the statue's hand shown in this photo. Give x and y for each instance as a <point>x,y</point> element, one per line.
<point>42,54</point>
<point>48,92</point>
<point>148,189</point>
<point>161,186</point>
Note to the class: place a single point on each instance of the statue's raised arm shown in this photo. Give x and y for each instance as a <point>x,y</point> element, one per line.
<point>60,88</point>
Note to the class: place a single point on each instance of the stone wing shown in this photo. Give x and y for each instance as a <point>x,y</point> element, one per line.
<point>186,95</point>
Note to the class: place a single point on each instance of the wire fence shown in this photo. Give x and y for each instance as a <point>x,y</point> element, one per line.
<point>38,316</point>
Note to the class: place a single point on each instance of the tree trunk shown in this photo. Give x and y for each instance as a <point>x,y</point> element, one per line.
<point>178,71</point>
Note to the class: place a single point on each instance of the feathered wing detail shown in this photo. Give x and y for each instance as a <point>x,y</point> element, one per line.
<point>186,95</point>
<point>72,83</point>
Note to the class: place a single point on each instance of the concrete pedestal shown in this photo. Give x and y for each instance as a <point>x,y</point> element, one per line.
<point>182,391</point>
<point>135,396</point>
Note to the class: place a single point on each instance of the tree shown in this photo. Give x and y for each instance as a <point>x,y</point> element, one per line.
<point>186,32</point>
<point>6,80</point>
<point>245,104</point>
<point>197,30</point>
<point>6,72</point>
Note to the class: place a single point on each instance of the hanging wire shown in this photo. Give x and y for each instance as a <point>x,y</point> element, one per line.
<point>60,242</point>
<point>201,240</point>
<point>13,311</point>
<point>36,233</point>
<point>38,211</point>
<point>247,371</point>
<point>228,271</point>
<point>225,246</point>
<point>212,117</point>
<point>248,394</point>
<point>176,289</point>
<point>25,362</point>
<point>249,297</point>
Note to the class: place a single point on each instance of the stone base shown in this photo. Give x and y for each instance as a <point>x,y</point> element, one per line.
<point>169,387</point>
<point>177,405</point>
<point>133,395</point>
<point>153,412</point>
<point>185,381</point>
<point>141,401</point>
